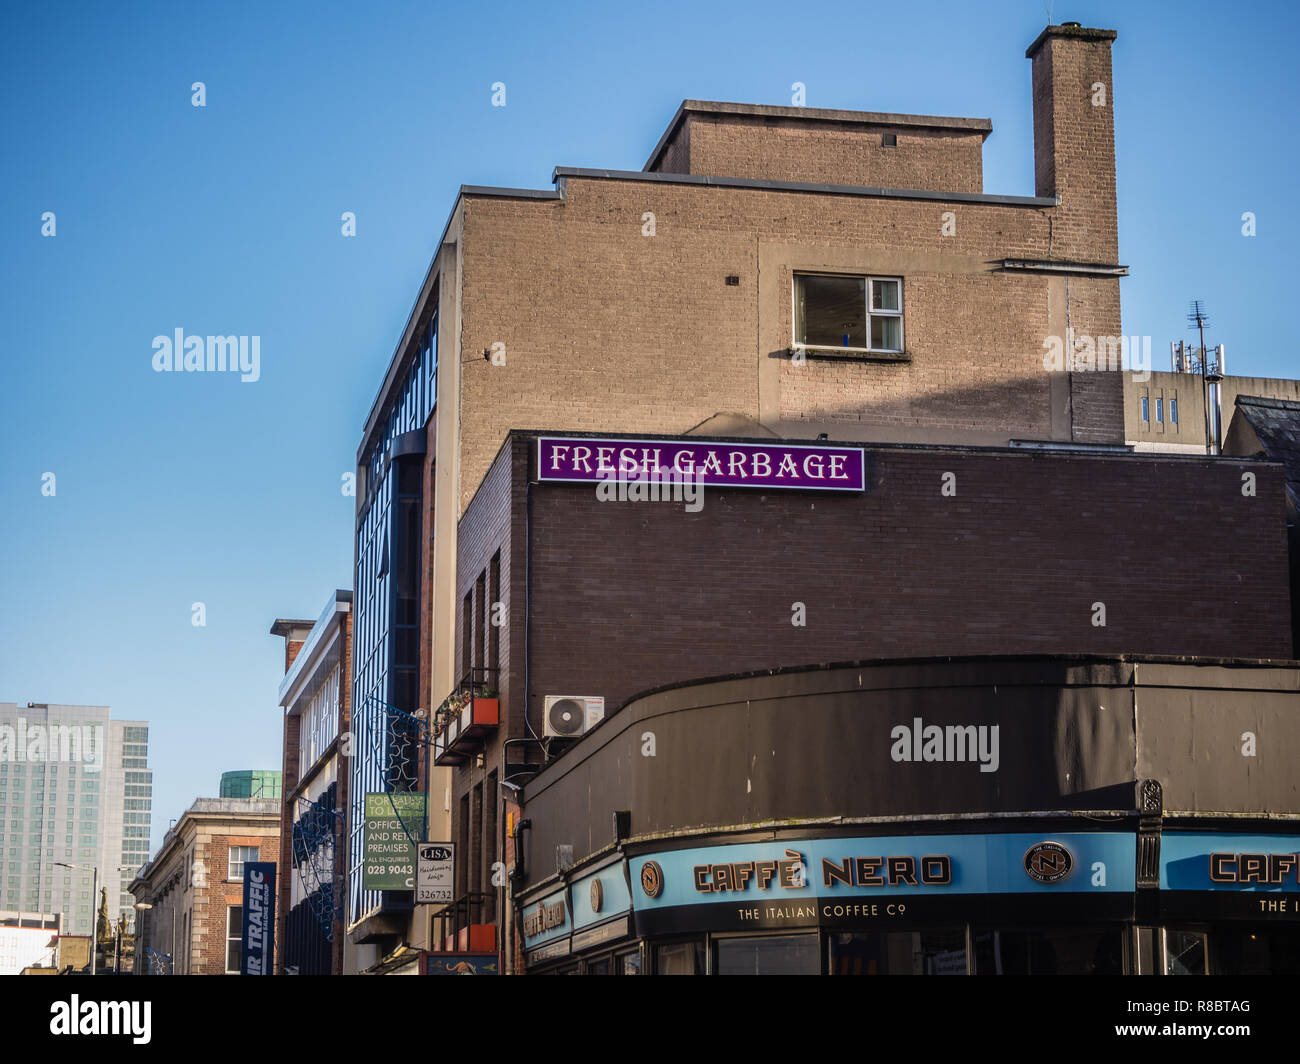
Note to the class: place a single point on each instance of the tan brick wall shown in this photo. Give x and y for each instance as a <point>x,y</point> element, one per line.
<point>1074,143</point>
<point>963,375</point>
<point>609,330</point>
<point>832,153</point>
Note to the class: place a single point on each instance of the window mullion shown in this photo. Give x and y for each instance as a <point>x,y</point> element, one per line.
<point>867,291</point>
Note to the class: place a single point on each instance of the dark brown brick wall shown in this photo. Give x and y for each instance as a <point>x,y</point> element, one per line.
<point>627,596</point>
<point>495,520</point>
<point>485,529</point>
<point>623,597</point>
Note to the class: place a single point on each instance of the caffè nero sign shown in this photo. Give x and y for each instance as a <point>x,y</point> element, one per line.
<point>546,916</point>
<point>800,467</point>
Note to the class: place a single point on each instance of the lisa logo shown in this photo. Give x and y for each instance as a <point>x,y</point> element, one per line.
<point>1048,862</point>
<point>652,879</point>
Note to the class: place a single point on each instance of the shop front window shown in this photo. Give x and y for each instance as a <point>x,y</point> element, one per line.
<point>938,952</point>
<point>1254,952</point>
<point>1050,951</point>
<point>680,958</point>
<point>1185,953</point>
<point>769,955</point>
<point>629,963</point>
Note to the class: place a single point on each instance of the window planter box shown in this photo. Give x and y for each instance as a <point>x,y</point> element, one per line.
<point>466,720</point>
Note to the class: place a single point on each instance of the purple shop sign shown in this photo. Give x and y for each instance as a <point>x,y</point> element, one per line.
<point>796,466</point>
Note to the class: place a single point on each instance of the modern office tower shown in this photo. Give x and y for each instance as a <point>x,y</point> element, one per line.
<point>75,798</point>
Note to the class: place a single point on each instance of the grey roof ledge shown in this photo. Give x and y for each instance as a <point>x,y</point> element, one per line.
<point>1095,269</point>
<point>509,193</point>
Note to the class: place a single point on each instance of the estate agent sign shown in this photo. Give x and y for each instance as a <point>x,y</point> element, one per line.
<point>393,824</point>
<point>435,873</point>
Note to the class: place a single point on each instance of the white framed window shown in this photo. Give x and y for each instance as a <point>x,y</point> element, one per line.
<point>238,855</point>
<point>1173,411</point>
<point>234,938</point>
<point>320,722</point>
<point>848,312</point>
<point>1146,408</point>
<point>1160,411</point>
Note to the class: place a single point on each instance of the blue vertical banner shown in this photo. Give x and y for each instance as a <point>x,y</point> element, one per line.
<point>259,918</point>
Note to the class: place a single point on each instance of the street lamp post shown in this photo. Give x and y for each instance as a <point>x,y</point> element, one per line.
<point>141,907</point>
<point>94,890</point>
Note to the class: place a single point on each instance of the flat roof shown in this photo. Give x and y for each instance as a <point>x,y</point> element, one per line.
<point>286,626</point>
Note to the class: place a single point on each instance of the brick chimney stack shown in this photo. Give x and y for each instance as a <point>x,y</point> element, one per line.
<point>1074,139</point>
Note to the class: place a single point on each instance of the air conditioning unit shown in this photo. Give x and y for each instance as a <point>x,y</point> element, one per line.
<point>569,716</point>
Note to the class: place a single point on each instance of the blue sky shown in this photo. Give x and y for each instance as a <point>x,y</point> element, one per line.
<point>175,489</point>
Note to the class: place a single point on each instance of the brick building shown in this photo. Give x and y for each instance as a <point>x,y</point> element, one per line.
<point>317,702</point>
<point>194,886</point>
<point>609,600</point>
<point>770,274</point>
